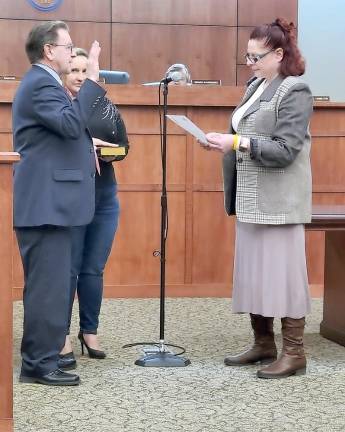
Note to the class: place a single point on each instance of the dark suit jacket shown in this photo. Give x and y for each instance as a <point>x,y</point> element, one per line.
<point>54,180</point>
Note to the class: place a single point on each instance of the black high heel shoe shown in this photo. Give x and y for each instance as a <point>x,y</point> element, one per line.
<point>93,353</point>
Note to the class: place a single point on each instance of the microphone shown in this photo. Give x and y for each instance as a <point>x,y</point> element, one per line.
<point>172,77</point>
<point>114,77</point>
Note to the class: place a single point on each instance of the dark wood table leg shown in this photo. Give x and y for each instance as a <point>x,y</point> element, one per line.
<point>333,324</point>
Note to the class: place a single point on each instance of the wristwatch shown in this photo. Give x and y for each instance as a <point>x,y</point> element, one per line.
<point>244,144</point>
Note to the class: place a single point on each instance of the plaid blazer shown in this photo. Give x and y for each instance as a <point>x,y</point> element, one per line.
<point>272,184</point>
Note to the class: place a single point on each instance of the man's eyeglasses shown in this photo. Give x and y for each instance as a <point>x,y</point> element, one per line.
<point>254,58</point>
<point>68,47</point>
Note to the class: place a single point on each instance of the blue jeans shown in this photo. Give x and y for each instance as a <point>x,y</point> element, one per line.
<point>91,246</point>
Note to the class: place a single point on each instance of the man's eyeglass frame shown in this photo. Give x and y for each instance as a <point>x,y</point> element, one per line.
<point>67,46</point>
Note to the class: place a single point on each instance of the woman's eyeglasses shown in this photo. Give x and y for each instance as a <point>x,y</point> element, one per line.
<point>254,58</point>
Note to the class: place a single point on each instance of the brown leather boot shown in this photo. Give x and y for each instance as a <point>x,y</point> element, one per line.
<point>292,360</point>
<point>263,350</point>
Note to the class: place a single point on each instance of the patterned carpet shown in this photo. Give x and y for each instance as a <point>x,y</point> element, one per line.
<point>117,396</point>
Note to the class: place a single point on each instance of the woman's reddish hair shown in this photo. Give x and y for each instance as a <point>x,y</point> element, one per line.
<point>281,34</point>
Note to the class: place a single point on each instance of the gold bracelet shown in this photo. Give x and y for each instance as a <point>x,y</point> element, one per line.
<point>235,143</point>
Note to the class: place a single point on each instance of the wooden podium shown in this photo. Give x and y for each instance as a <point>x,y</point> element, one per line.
<point>331,219</point>
<point>6,241</point>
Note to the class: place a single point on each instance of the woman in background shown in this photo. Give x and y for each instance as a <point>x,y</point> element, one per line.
<point>92,243</point>
<point>267,183</point>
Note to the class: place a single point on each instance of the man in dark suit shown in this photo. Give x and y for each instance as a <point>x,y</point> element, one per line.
<point>53,191</point>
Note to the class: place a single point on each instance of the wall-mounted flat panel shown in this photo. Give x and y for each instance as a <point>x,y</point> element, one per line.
<point>5,117</point>
<point>70,10</point>
<point>145,120</point>
<point>328,198</point>
<point>6,143</point>
<point>242,43</point>
<point>213,239</point>
<point>84,33</point>
<point>13,35</point>
<point>212,119</point>
<point>142,165</point>
<point>146,51</point>
<point>315,256</point>
<point>132,260</point>
<point>207,168</point>
<point>197,12</point>
<point>207,165</point>
<point>243,75</point>
<point>254,12</point>
<point>328,122</point>
<point>328,171</point>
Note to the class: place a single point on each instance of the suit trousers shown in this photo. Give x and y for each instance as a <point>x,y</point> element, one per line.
<point>46,255</point>
<point>91,246</point>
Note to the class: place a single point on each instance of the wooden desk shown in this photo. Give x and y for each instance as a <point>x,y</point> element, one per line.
<point>331,219</point>
<point>6,370</point>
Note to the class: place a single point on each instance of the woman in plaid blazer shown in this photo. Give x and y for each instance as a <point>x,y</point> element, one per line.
<point>267,184</point>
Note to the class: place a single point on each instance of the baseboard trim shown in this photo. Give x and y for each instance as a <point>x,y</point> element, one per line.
<point>221,290</point>
<point>6,425</point>
<point>333,334</point>
<point>316,290</point>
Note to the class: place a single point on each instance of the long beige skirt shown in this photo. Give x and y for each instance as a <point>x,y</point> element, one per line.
<point>270,272</point>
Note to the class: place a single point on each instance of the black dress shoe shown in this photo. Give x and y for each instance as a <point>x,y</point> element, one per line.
<point>55,378</point>
<point>67,361</point>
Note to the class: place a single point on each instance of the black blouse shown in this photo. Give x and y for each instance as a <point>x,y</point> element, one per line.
<point>106,124</point>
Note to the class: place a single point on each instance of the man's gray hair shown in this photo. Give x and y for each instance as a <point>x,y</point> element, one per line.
<point>40,35</point>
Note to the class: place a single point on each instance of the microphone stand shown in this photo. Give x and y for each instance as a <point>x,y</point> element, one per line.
<point>160,355</point>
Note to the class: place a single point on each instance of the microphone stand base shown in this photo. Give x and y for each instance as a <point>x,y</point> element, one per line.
<point>162,359</point>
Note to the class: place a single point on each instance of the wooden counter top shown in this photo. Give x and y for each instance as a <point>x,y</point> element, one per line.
<point>195,95</point>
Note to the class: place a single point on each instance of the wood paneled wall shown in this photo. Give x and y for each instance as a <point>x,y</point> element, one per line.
<point>144,37</point>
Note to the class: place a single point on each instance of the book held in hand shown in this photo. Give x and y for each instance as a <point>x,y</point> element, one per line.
<point>111,151</point>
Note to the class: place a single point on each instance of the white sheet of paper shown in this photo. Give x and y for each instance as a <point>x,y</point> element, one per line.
<point>188,126</point>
